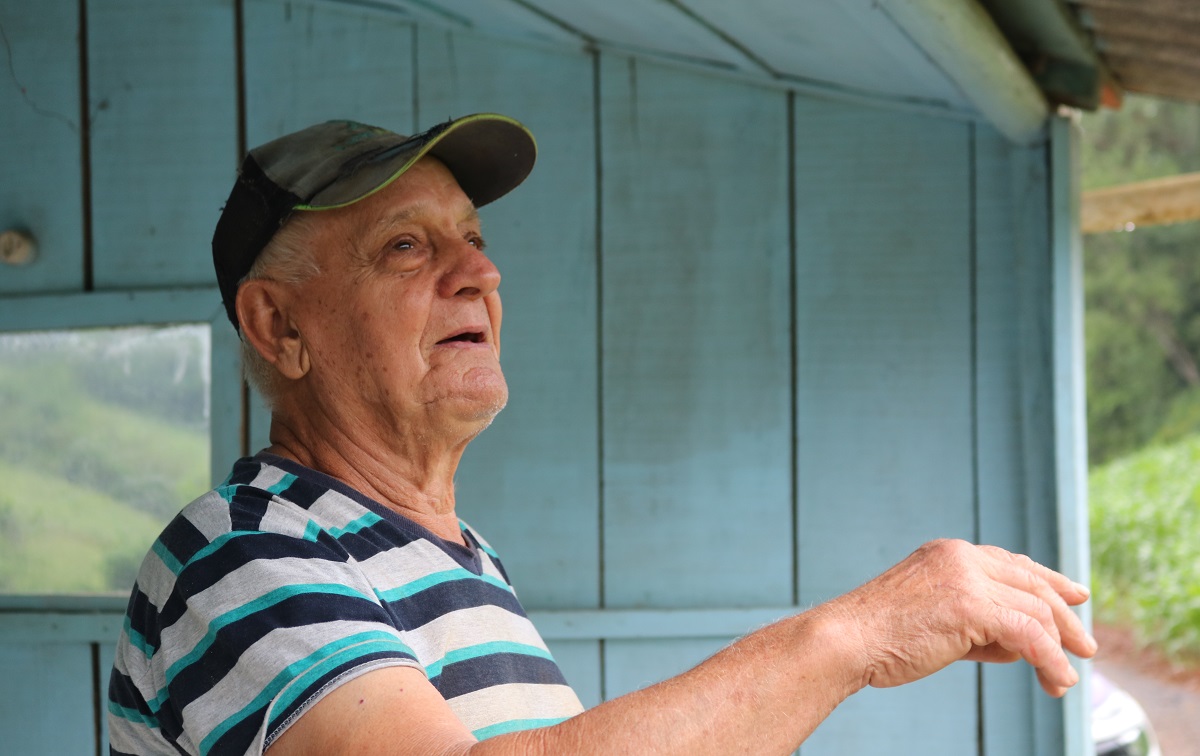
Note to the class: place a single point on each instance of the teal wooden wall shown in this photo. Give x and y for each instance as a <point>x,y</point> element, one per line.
<point>760,344</point>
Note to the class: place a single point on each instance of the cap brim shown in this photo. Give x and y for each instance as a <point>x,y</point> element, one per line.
<point>488,154</point>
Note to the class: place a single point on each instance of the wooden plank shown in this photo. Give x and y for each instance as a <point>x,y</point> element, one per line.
<point>1173,199</point>
<point>1070,418</point>
<point>655,623</point>
<point>696,360</point>
<point>310,62</point>
<point>849,44</point>
<point>163,139</point>
<point>50,711</point>
<point>884,415</point>
<point>495,18</point>
<point>1008,690</point>
<point>105,654</point>
<point>530,482</point>
<point>579,661</point>
<point>60,628</point>
<point>659,27</point>
<point>1031,192</point>
<point>41,178</point>
<point>631,665</point>
<point>49,312</point>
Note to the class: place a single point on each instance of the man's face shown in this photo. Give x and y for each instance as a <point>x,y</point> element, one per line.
<point>402,325</point>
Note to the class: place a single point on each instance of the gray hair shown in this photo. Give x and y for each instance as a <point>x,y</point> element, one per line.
<point>287,258</point>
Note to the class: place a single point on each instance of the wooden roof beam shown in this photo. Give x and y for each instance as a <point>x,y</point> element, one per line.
<point>1174,199</point>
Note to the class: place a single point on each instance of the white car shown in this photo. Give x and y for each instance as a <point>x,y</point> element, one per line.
<point>1120,726</point>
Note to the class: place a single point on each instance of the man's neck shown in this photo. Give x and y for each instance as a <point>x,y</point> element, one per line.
<point>416,480</point>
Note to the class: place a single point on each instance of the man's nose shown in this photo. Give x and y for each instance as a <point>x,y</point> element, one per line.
<point>472,275</point>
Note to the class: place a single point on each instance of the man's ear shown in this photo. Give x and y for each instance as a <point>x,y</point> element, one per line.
<point>262,310</point>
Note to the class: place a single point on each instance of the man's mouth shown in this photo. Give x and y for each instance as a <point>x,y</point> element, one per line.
<point>470,337</point>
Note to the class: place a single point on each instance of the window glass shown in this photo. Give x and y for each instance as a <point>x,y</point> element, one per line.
<point>103,437</point>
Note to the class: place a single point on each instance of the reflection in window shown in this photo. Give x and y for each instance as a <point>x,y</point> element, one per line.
<point>103,437</point>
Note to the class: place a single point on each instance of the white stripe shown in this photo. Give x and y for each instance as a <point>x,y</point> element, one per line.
<point>209,514</point>
<point>503,703</point>
<point>258,666</point>
<point>463,628</point>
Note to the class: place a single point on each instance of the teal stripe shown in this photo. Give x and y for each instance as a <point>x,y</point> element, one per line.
<point>131,715</point>
<point>245,610</point>
<point>137,640</point>
<point>312,530</point>
<point>283,484</point>
<point>515,725</point>
<point>342,648</point>
<point>366,521</point>
<point>227,491</point>
<point>168,559</point>
<point>484,649</point>
<point>437,578</point>
<point>317,663</point>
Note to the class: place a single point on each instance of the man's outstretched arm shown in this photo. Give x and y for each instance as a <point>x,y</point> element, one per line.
<point>767,692</point>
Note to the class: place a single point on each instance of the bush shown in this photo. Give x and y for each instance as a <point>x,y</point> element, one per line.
<point>1145,518</point>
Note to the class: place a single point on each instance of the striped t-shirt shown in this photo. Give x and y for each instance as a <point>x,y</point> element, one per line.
<point>283,583</point>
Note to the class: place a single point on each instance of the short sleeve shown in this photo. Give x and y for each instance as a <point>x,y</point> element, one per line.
<point>255,629</point>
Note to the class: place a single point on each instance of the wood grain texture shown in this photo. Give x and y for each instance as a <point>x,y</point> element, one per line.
<point>696,372</point>
<point>50,711</point>
<point>884,394</point>
<point>1009,690</point>
<point>530,483</point>
<point>631,665</point>
<point>163,138</point>
<point>41,172</point>
<point>309,62</point>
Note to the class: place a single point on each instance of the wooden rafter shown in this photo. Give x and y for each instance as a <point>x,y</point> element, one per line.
<point>1174,199</point>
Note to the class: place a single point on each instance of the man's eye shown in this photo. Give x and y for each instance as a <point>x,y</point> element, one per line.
<point>477,242</point>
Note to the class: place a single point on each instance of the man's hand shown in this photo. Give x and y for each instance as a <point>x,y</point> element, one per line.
<point>952,600</point>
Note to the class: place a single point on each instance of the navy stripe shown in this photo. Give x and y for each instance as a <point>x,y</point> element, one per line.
<point>232,640</point>
<point>244,471</point>
<point>282,715</point>
<point>470,675</point>
<point>435,601</point>
<point>247,511</point>
<point>125,694</point>
<point>303,492</point>
<point>143,617</point>
<point>240,550</point>
<point>182,539</point>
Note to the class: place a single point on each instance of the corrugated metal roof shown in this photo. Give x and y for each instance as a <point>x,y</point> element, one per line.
<point>1149,46</point>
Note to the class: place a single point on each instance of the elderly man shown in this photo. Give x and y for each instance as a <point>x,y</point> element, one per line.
<point>326,599</point>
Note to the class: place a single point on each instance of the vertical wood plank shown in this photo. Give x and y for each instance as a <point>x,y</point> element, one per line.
<point>107,653</point>
<point>41,185</point>
<point>697,438</point>
<point>631,665</point>
<point>308,62</point>
<point>46,703</point>
<point>163,137</point>
<point>1008,690</point>
<point>1031,191</point>
<point>885,428</point>
<point>530,482</point>
<point>579,661</point>
<point>1070,418</point>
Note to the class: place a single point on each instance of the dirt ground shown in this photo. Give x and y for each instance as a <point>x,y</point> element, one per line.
<point>1170,695</point>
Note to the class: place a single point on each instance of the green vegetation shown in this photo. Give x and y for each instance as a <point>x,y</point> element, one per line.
<point>102,439</point>
<point>1142,287</point>
<point>1143,344</point>
<point>1145,513</point>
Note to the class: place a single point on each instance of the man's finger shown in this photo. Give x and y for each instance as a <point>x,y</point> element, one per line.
<point>1022,634</point>
<point>1055,590</point>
